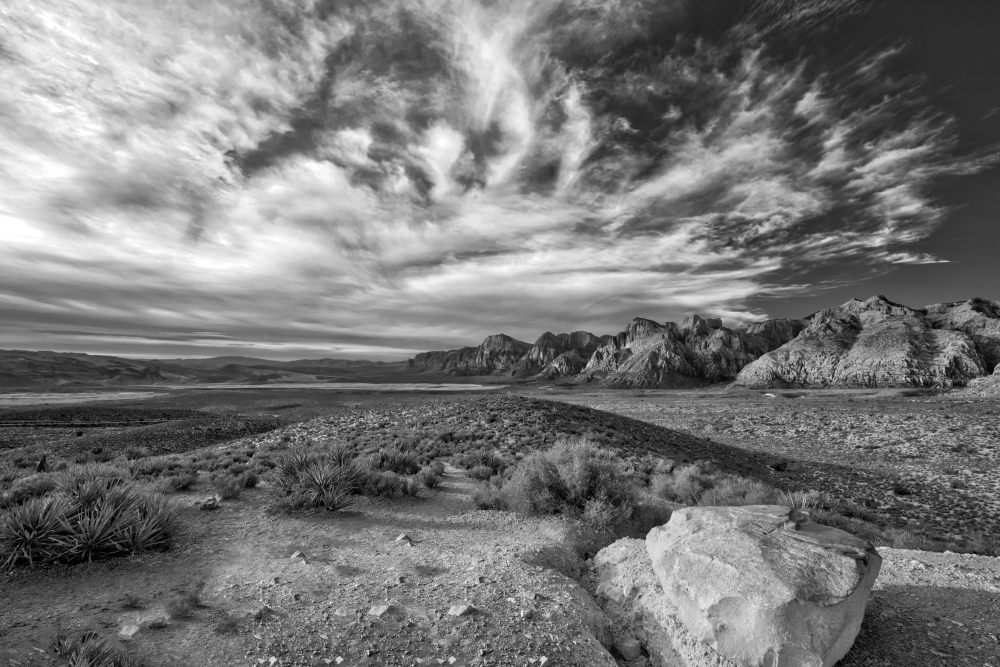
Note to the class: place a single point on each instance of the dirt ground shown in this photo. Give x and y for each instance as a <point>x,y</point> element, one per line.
<point>357,595</point>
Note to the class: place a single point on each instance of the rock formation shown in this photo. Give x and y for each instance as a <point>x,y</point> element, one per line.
<point>764,585</point>
<point>498,352</point>
<point>648,354</point>
<point>881,343</point>
<point>862,343</point>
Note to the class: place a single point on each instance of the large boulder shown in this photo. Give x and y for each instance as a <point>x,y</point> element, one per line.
<point>764,585</point>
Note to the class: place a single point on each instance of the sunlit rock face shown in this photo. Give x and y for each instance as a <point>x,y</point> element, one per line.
<point>878,343</point>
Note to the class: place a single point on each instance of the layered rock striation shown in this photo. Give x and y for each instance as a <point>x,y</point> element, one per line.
<point>879,343</point>
<point>652,355</point>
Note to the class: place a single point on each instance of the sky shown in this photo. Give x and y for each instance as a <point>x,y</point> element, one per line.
<point>371,179</point>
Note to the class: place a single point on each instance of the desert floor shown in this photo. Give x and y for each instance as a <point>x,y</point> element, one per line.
<point>310,589</point>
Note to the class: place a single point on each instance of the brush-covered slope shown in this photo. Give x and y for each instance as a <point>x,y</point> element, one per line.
<point>879,343</point>
<point>648,354</point>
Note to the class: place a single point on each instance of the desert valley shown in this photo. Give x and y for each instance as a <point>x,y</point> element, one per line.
<point>499,333</point>
<point>449,545</point>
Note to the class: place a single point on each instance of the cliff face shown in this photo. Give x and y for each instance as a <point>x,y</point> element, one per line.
<point>550,346</point>
<point>880,343</point>
<point>497,353</point>
<point>649,354</point>
<point>977,318</point>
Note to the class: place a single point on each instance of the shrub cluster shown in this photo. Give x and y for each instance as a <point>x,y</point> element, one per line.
<point>331,475</point>
<point>574,478</point>
<point>85,513</point>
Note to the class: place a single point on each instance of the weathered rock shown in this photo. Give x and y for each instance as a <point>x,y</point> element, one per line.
<point>461,610</point>
<point>380,610</point>
<point>977,318</point>
<point>631,596</point>
<point>628,647</point>
<point>764,585</point>
<point>128,631</point>
<point>871,343</point>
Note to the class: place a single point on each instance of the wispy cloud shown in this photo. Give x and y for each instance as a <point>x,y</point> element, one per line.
<point>402,175</point>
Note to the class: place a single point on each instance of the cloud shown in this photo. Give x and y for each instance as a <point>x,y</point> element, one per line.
<point>297,175</point>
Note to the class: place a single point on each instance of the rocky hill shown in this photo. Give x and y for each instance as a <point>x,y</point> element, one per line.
<point>699,350</point>
<point>646,354</point>
<point>879,343</point>
<point>501,354</point>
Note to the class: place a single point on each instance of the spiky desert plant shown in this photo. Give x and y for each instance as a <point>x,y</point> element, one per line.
<point>31,531</point>
<point>152,527</point>
<point>329,485</point>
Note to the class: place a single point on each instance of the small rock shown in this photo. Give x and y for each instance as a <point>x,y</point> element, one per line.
<point>272,661</point>
<point>405,538</point>
<point>527,613</point>
<point>542,660</point>
<point>461,610</point>
<point>209,504</point>
<point>298,554</point>
<point>629,647</point>
<point>379,610</point>
<point>262,613</point>
<point>340,611</point>
<point>128,631</point>
<point>155,622</point>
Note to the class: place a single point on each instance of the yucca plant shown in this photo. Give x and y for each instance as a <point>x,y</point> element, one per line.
<point>330,486</point>
<point>93,533</point>
<point>31,531</point>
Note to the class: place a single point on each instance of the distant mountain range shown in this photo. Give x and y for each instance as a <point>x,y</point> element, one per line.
<point>871,343</point>
<point>20,368</point>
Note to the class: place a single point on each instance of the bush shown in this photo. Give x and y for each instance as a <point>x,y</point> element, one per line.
<point>175,483</point>
<point>26,488</point>
<point>685,484</point>
<point>90,521</point>
<point>735,491</point>
<point>228,487</point>
<point>429,477</point>
<point>488,496</point>
<point>575,478</point>
<point>482,473</point>
<point>393,459</point>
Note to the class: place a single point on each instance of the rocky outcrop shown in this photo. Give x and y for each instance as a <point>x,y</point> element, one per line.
<point>874,343</point>
<point>648,354</point>
<point>764,585</point>
<point>551,346</point>
<point>631,596</point>
<point>498,352</point>
<point>977,318</point>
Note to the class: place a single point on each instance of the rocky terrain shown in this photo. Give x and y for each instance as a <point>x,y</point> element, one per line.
<point>431,580</point>
<point>878,343</point>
